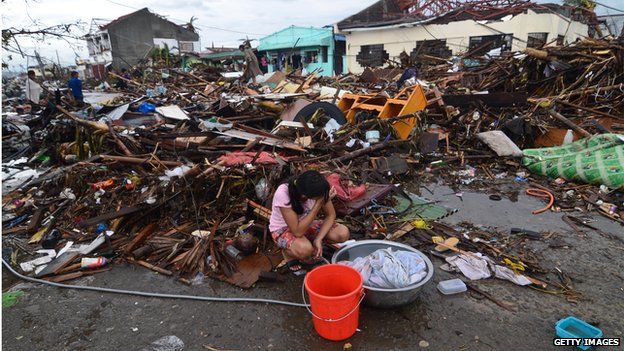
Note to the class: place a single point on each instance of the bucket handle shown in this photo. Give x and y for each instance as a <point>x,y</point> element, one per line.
<point>325,319</point>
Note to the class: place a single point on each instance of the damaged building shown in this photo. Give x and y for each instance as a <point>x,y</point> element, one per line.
<point>316,49</point>
<point>129,39</point>
<point>447,27</point>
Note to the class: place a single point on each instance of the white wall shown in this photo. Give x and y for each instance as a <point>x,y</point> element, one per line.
<point>171,43</point>
<point>174,45</point>
<point>457,34</point>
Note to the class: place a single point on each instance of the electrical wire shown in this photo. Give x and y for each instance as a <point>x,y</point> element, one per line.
<point>197,25</point>
<point>609,7</point>
<point>152,294</point>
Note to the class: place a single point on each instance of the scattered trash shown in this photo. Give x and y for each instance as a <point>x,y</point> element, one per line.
<point>166,343</point>
<point>476,267</point>
<point>174,172</point>
<point>92,263</point>
<point>452,286</point>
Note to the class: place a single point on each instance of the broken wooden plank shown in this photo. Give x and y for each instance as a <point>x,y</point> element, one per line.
<point>65,277</point>
<point>118,141</point>
<point>500,99</point>
<point>58,264</point>
<point>140,237</point>
<point>271,141</point>
<point>140,161</point>
<point>152,267</point>
<point>404,229</point>
<point>260,210</point>
<point>108,216</point>
<point>569,123</point>
<point>368,150</point>
<point>95,125</point>
<point>594,111</point>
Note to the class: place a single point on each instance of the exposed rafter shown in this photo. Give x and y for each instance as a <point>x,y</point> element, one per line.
<point>432,8</point>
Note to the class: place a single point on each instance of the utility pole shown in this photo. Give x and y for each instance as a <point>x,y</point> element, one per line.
<point>60,69</point>
<point>41,66</point>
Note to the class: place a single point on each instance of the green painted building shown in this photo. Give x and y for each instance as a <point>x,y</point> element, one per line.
<point>315,49</point>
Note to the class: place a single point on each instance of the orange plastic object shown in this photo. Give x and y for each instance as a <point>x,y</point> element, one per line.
<point>335,294</point>
<point>408,101</point>
<point>103,184</point>
<point>544,195</point>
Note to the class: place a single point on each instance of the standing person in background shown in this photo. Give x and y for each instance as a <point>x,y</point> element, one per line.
<point>125,74</point>
<point>32,89</point>
<point>252,68</point>
<point>121,84</point>
<point>75,84</point>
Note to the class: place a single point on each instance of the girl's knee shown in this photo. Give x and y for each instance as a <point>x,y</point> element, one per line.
<point>340,233</point>
<point>343,233</point>
<point>301,248</point>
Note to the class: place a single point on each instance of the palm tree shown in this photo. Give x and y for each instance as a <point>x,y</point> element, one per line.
<point>189,25</point>
<point>586,4</point>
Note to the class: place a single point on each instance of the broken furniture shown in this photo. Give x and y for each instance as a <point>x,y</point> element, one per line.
<point>405,104</point>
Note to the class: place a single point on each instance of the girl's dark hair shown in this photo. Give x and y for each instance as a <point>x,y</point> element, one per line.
<point>310,184</point>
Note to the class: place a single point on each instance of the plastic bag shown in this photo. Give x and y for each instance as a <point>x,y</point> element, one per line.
<point>213,124</point>
<point>388,269</point>
<point>146,107</point>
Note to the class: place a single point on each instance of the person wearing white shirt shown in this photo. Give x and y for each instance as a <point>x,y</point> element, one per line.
<point>32,88</point>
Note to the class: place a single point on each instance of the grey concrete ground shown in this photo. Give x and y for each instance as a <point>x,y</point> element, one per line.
<point>48,318</point>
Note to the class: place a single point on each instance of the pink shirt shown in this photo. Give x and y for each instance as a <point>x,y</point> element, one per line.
<point>281,198</point>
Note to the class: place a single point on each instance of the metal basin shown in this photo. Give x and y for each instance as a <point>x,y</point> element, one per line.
<point>384,298</point>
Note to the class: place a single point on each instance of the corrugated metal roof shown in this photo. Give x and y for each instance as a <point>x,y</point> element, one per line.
<point>301,36</point>
<point>224,55</point>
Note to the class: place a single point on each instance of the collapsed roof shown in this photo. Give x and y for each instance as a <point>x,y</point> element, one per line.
<point>391,12</point>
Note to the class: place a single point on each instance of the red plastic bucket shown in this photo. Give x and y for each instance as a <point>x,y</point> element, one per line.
<point>335,295</point>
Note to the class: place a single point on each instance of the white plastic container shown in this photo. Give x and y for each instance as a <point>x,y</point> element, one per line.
<point>372,136</point>
<point>452,286</point>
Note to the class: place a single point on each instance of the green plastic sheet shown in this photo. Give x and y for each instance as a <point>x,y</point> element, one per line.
<point>10,298</point>
<point>595,160</point>
<point>421,208</point>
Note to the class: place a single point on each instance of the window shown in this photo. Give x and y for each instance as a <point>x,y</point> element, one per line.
<point>486,43</point>
<point>435,48</point>
<point>186,46</point>
<point>91,46</point>
<point>372,55</point>
<point>536,40</point>
<point>324,53</point>
<point>311,56</point>
<point>560,40</point>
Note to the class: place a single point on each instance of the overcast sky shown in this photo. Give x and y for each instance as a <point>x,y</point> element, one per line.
<point>223,22</point>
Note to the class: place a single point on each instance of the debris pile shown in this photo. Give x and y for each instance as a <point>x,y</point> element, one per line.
<point>175,171</point>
